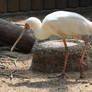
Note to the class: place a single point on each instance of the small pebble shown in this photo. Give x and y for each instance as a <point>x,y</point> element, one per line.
<point>86,85</point>
<point>90,83</point>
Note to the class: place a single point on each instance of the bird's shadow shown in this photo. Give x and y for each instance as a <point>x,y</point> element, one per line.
<point>52,83</point>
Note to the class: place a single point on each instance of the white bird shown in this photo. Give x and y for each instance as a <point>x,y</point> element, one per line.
<point>63,24</point>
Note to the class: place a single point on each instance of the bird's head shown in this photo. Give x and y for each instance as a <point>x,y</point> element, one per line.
<point>31,23</point>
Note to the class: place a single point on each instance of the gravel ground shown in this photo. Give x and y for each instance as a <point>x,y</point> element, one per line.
<point>16,77</point>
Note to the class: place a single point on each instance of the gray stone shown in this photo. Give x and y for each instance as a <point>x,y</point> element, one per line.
<point>51,58</point>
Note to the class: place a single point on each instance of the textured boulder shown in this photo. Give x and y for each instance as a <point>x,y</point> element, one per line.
<point>49,56</point>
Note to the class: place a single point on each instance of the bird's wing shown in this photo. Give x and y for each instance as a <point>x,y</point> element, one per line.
<point>69,25</point>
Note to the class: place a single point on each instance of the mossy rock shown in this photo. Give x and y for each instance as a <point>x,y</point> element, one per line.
<point>49,56</point>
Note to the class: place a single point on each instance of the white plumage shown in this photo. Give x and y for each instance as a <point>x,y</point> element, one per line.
<point>62,24</point>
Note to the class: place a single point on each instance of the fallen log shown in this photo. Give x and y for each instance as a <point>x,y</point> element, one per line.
<point>10,32</point>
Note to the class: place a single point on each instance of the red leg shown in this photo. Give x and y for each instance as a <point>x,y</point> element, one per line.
<point>63,75</point>
<point>82,58</point>
<point>67,55</point>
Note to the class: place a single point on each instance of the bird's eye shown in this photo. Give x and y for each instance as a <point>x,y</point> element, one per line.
<point>27,26</point>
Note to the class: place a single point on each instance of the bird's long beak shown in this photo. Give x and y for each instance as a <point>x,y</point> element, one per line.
<point>19,38</point>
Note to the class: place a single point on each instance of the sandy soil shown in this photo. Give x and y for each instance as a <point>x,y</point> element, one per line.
<point>15,75</point>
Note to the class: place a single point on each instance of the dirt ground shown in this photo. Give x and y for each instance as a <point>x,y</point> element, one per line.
<point>15,75</point>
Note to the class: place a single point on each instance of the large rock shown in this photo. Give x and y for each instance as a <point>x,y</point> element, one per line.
<point>49,56</point>
<point>10,32</point>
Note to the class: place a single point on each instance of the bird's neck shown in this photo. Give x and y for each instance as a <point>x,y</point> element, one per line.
<point>37,26</point>
<point>40,33</point>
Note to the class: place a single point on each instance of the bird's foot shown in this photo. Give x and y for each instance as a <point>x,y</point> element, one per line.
<point>83,63</point>
<point>82,76</point>
<point>62,76</point>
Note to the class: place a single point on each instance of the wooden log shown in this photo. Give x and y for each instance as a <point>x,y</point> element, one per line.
<point>10,32</point>
<point>49,56</point>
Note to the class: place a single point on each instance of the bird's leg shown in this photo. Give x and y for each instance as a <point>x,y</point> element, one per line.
<point>66,59</point>
<point>67,55</point>
<point>82,58</point>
